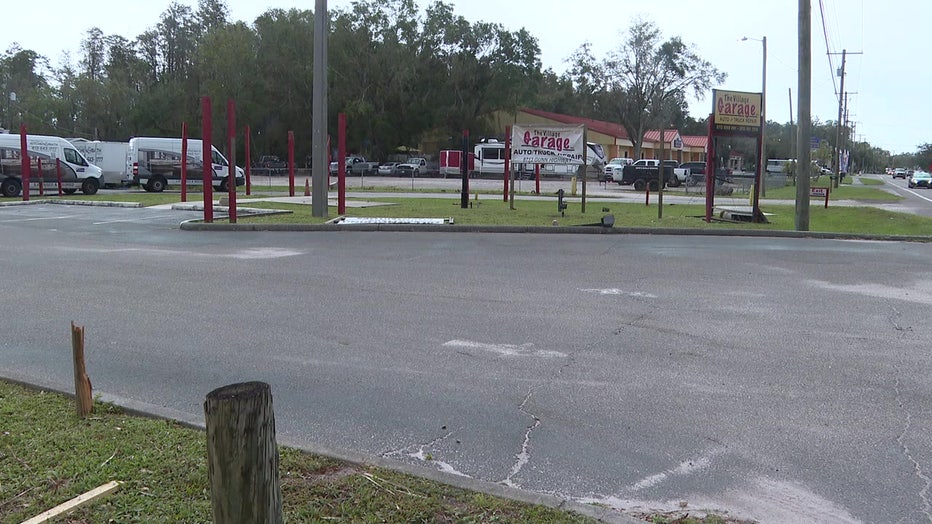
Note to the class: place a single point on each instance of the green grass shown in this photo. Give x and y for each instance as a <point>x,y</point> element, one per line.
<point>48,456</point>
<point>492,211</point>
<point>488,209</point>
<point>871,181</point>
<point>842,192</point>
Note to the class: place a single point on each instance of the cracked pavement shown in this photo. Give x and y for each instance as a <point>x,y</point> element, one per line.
<point>782,380</point>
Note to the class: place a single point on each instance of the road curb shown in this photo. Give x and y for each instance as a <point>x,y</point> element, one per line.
<point>89,203</point>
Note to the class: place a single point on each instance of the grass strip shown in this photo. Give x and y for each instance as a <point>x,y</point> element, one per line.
<point>48,456</point>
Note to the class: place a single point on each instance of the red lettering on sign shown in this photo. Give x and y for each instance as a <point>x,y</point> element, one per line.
<point>546,142</point>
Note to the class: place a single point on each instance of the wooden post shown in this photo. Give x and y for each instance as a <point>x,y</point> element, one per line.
<point>84,401</point>
<point>242,455</point>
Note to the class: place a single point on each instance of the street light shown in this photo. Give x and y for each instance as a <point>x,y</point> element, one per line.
<point>763,114</point>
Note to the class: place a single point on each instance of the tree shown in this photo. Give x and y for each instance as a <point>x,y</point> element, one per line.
<point>646,81</point>
<point>924,156</point>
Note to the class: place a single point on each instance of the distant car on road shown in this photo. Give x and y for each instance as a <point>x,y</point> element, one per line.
<point>899,172</point>
<point>920,179</point>
<point>388,168</point>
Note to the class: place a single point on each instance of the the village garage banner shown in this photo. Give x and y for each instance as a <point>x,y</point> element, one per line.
<point>540,144</point>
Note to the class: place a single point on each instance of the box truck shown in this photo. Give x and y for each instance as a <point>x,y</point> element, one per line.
<point>155,163</point>
<point>52,153</point>
<point>110,157</point>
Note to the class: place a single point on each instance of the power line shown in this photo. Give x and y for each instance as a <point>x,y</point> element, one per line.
<point>828,49</point>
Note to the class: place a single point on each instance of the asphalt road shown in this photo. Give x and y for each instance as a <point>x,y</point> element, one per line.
<point>785,380</point>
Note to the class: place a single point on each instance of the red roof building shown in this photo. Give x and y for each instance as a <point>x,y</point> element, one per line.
<point>613,137</point>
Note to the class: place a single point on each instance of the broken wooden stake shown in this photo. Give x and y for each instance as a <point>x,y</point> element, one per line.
<point>84,400</point>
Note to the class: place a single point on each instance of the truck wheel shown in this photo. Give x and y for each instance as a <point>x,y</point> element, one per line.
<point>416,173</point>
<point>69,191</point>
<point>10,187</point>
<point>156,185</point>
<point>653,185</point>
<point>90,186</point>
<point>674,182</point>
<point>225,185</point>
<point>640,184</point>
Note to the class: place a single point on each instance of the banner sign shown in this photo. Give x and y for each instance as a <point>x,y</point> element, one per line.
<point>736,112</point>
<point>547,144</point>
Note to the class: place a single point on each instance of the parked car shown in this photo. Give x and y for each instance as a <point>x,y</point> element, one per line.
<point>899,172</point>
<point>920,179</point>
<point>271,164</point>
<point>388,168</point>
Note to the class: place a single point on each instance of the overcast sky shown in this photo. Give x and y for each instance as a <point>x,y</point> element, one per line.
<point>887,84</point>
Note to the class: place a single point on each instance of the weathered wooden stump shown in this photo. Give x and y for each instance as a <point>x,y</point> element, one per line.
<point>242,455</point>
<point>83,393</point>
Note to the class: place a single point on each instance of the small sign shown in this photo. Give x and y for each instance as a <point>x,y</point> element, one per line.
<point>814,143</point>
<point>820,192</point>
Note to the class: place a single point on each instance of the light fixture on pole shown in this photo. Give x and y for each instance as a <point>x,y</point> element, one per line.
<point>763,114</point>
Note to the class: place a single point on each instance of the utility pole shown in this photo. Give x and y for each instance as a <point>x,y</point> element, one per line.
<point>804,118</point>
<point>763,125</point>
<point>841,105</point>
<point>841,101</point>
<point>789,92</point>
<point>320,168</point>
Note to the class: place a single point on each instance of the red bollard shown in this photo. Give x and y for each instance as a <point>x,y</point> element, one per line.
<point>231,151</point>
<point>290,163</point>
<point>537,178</point>
<point>24,162</point>
<point>58,174</point>
<point>184,161</point>
<point>341,163</point>
<point>207,153</point>
<point>41,176</point>
<point>307,187</point>
<point>647,195</point>
<point>248,180</point>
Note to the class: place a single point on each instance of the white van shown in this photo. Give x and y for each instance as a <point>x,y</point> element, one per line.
<point>76,171</point>
<point>155,163</point>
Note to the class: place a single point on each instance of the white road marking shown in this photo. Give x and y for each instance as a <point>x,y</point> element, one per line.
<point>62,217</point>
<point>684,468</point>
<point>508,350</point>
<point>616,291</point>
<point>133,219</point>
<point>260,253</point>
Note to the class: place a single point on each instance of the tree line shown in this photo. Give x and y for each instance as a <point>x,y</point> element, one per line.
<point>403,77</point>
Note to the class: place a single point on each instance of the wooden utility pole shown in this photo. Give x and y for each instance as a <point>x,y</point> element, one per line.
<point>804,119</point>
<point>242,456</point>
<point>841,104</point>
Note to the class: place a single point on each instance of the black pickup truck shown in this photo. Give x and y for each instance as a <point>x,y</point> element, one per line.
<point>643,174</point>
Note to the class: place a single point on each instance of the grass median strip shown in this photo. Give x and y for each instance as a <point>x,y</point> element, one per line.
<point>48,456</point>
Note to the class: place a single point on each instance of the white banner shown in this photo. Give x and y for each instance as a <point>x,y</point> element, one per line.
<point>543,144</point>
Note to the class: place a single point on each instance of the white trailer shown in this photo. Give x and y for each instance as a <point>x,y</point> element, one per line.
<point>110,157</point>
<point>47,155</point>
<point>490,159</point>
